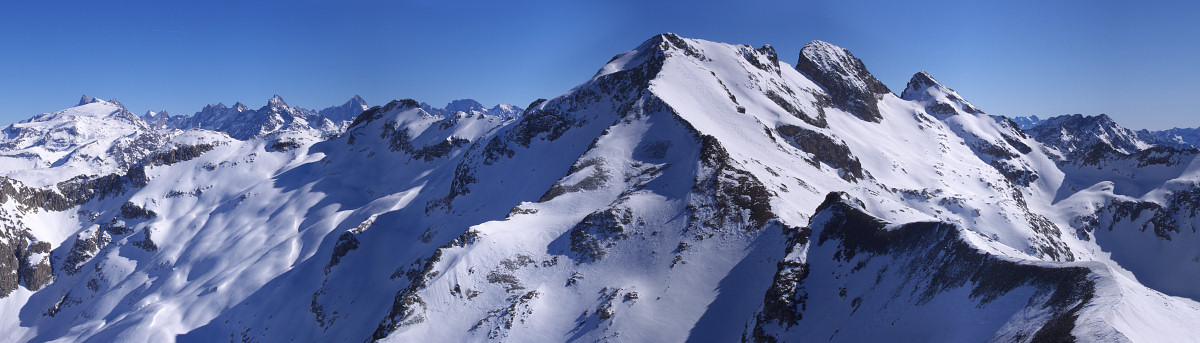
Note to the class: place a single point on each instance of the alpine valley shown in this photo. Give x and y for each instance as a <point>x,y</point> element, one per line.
<point>689,191</point>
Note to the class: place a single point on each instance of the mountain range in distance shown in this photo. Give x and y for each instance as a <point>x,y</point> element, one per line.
<point>689,191</point>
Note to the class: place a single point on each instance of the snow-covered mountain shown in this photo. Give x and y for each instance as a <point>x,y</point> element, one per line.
<point>1026,122</point>
<point>473,108</point>
<point>690,190</point>
<point>241,122</point>
<point>1076,135</point>
<point>1180,138</point>
<point>346,112</point>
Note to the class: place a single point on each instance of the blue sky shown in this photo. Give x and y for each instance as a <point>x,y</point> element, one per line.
<point>1135,62</point>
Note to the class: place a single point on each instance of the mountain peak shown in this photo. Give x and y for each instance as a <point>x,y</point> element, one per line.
<point>844,76</point>
<point>87,100</point>
<point>211,107</point>
<point>347,111</point>
<point>152,113</point>
<point>464,105</point>
<point>831,58</point>
<point>276,102</point>
<point>402,104</point>
<point>651,52</point>
<point>939,100</point>
<point>1077,132</point>
<point>920,81</point>
<point>1079,119</point>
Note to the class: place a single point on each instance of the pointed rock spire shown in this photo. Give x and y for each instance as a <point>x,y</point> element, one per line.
<point>918,82</point>
<point>276,102</point>
<point>357,100</point>
<point>86,100</point>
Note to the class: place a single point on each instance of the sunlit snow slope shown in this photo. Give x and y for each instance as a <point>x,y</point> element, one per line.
<point>690,191</point>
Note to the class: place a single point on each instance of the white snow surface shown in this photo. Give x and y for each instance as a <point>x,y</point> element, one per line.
<point>657,201</point>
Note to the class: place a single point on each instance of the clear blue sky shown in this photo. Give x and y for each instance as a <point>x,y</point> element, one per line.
<point>1137,62</point>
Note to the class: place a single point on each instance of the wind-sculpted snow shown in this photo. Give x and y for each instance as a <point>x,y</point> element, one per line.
<point>690,190</point>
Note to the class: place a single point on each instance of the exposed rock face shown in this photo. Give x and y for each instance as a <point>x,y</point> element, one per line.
<point>707,181</point>
<point>825,150</point>
<point>847,80</point>
<point>941,101</point>
<point>24,261</point>
<point>911,263</point>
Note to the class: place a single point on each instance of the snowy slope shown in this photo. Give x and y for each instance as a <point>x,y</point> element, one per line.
<point>691,190</point>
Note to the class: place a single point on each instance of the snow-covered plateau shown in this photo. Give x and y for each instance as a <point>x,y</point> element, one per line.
<point>689,191</point>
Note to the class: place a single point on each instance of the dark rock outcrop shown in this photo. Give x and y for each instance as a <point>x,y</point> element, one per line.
<point>849,84</point>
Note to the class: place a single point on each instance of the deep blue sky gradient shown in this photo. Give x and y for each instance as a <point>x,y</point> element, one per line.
<point>1134,61</point>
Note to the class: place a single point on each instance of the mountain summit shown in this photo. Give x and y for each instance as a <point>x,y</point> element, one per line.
<point>844,76</point>
<point>347,111</point>
<point>1076,133</point>
<point>689,190</point>
<point>939,100</point>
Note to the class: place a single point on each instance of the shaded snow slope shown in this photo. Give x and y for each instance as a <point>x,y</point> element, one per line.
<point>691,190</point>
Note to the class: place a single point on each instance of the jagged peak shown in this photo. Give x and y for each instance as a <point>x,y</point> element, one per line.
<point>1079,119</point>
<point>464,105</point>
<point>840,201</point>
<point>919,81</point>
<point>276,102</point>
<point>212,108</point>
<point>152,117</point>
<point>402,104</point>
<point>1077,132</point>
<point>505,107</point>
<point>829,58</point>
<point>87,100</point>
<point>533,105</point>
<point>240,107</point>
<point>851,87</point>
<point>939,100</point>
<point>823,58</point>
<point>653,50</point>
<point>84,100</point>
<point>357,100</point>
<point>377,112</point>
